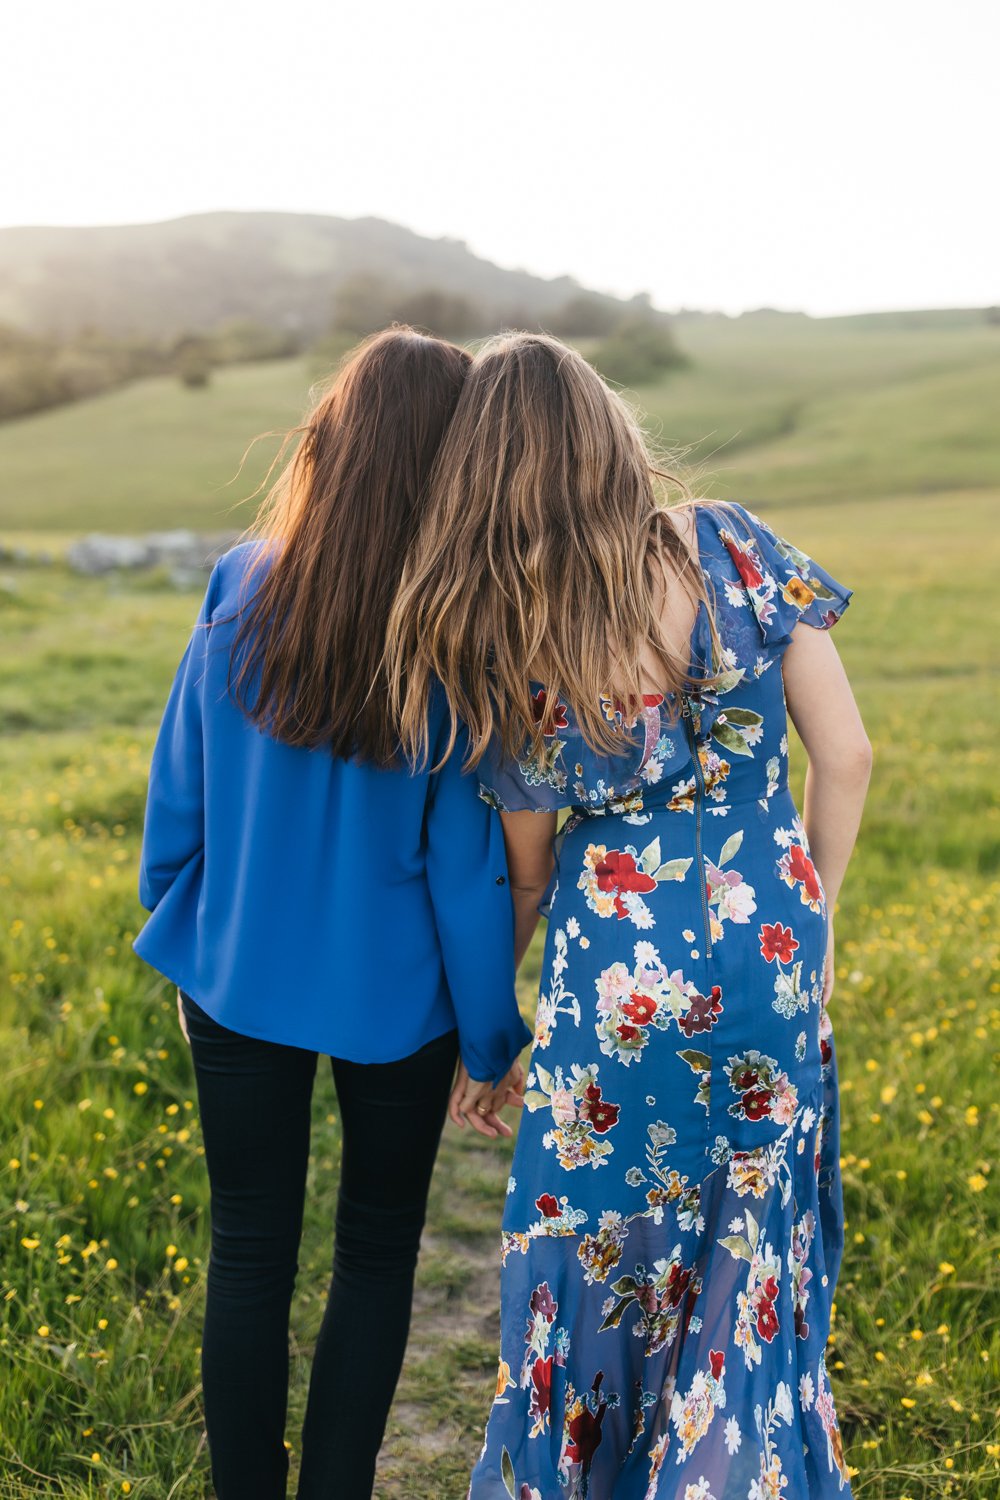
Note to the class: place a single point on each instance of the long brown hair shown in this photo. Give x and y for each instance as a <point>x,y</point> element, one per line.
<point>307,661</point>
<point>541,551</point>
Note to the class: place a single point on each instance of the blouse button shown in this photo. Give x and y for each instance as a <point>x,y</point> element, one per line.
<point>501,880</point>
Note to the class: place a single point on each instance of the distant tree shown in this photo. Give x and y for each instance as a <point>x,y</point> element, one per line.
<point>992,315</point>
<point>243,339</point>
<point>443,313</point>
<point>363,303</point>
<point>640,350</point>
<point>192,361</point>
<point>585,315</point>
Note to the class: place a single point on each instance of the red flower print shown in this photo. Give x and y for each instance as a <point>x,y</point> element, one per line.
<point>617,711</point>
<point>746,565</point>
<point>585,1435</point>
<point>717,1361</point>
<point>541,1386</point>
<point>702,1013</point>
<point>598,1111</point>
<point>677,1284</point>
<point>617,872</point>
<point>801,1326</point>
<point>548,1206</point>
<point>777,942</point>
<point>825,1050</point>
<point>745,1078</point>
<point>627,1033</point>
<point>558,720</point>
<point>770,1289</point>
<point>542,1303</point>
<point>641,1009</point>
<point>756,1104</point>
<point>801,867</point>
<point>767,1320</point>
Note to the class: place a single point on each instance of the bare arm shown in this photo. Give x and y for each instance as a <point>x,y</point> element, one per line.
<point>528,836</point>
<point>821,706</point>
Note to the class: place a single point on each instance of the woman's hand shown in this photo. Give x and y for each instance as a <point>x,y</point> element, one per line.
<point>182,1018</point>
<point>480,1103</point>
<point>828,970</point>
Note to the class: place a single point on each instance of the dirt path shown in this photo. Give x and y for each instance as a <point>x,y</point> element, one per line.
<point>435,1430</point>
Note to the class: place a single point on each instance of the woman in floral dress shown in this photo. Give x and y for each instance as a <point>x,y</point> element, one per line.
<point>673,1226</point>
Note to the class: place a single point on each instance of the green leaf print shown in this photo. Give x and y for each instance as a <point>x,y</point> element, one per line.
<point>507,1473</point>
<point>731,739</point>
<point>650,857</point>
<point>737,1246</point>
<point>674,869</point>
<point>731,847</point>
<point>820,589</point>
<point>545,1078</point>
<point>747,718</point>
<point>699,1061</point>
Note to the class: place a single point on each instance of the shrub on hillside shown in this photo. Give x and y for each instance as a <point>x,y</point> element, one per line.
<point>585,316</point>
<point>640,350</point>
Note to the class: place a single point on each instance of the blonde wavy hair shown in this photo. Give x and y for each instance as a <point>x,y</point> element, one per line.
<point>540,549</point>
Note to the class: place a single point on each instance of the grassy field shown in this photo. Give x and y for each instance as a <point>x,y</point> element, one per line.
<point>104,1204</point>
<point>772,407</point>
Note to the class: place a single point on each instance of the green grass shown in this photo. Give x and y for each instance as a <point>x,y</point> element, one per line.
<point>152,457</point>
<point>787,408</point>
<point>103,1211</point>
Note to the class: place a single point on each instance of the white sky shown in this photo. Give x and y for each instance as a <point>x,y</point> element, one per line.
<point>836,157</point>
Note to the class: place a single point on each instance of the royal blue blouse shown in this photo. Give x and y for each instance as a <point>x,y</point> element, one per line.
<point>318,902</point>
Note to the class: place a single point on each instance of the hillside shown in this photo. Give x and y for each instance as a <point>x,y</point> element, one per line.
<point>770,409</point>
<point>278,269</point>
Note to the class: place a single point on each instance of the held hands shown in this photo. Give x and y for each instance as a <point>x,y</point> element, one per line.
<point>480,1103</point>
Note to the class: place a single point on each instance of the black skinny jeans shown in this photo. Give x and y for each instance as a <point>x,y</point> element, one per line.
<point>254,1099</point>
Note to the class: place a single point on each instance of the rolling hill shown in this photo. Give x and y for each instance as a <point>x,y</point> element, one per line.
<point>278,269</point>
<point>769,409</point>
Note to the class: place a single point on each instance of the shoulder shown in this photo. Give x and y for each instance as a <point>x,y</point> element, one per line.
<point>726,516</point>
<point>235,574</point>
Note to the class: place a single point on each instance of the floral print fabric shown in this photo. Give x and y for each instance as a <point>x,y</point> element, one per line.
<point>673,1227</point>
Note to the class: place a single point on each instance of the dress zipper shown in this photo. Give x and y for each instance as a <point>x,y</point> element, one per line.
<point>699,777</point>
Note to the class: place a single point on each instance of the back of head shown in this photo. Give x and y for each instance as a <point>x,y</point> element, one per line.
<point>535,556</point>
<point>308,660</point>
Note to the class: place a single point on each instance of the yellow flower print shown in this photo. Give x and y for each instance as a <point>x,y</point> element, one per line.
<point>798,593</point>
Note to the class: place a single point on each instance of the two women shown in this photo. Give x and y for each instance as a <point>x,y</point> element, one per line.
<point>673,1228</point>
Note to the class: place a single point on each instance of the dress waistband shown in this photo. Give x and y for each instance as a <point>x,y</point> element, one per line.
<point>637,802</point>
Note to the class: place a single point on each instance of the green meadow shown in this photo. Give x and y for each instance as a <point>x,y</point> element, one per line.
<point>871,443</point>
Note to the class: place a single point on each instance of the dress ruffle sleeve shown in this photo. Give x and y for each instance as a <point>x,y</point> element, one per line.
<point>536,783</point>
<point>783,584</point>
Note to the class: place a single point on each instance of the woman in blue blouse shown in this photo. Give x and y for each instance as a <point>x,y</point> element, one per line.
<point>311,893</point>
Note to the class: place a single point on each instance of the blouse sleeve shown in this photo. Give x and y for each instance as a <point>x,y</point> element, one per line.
<point>536,783</point>
<point>784,585</point>
<point>470,896</point>
<point>174,825</point>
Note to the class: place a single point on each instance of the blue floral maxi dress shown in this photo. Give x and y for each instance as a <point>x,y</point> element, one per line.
<point>674,1226</point>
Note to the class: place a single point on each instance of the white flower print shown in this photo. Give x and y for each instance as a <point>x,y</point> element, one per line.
<point>699,1491</point>
<point>806,1391</point>
<point>783,1401</point>
<point>734,1436</point>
